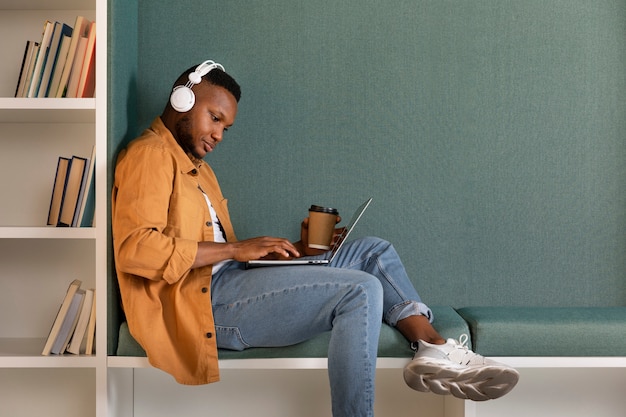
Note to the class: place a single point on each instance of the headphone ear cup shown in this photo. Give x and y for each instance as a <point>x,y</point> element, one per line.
<point>182,99</point>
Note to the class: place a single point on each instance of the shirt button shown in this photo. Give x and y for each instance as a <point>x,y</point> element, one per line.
<point>209,335</point>
<point>205,289</point>
<point>209,224</point>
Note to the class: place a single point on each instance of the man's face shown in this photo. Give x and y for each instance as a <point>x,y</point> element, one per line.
<point>200,129</point>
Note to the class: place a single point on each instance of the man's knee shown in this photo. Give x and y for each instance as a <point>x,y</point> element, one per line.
<point>371,288</point>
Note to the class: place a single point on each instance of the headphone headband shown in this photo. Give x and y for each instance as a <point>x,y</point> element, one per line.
<point>201,70</point>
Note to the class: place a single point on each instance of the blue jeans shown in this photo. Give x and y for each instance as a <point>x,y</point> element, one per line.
<point>281,306</point>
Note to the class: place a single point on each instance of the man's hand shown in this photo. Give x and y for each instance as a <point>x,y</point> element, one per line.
<point>264,247</point>
<point>210,253</point>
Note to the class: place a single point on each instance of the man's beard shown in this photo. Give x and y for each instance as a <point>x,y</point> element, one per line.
<point>184,138</point>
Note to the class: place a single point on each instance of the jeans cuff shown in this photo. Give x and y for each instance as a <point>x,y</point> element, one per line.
<point>407,309</point>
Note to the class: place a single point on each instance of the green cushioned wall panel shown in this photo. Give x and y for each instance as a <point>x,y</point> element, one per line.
<point>490,134</point>
<point>121,120</point>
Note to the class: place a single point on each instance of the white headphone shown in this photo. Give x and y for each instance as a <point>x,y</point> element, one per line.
<point>182,98</point>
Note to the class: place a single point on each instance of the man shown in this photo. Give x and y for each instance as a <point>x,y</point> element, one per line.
<point>186,291</point>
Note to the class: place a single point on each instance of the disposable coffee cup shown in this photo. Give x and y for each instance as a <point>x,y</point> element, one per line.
<point>322,221</point>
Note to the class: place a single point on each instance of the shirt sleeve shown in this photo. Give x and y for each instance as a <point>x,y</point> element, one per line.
<point>145,244</point>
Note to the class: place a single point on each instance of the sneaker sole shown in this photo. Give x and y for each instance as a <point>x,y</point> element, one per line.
<point>477,383</point>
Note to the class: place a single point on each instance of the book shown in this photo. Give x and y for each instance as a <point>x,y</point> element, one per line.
<point>77,65</point>
<point>21,81</point>
<point>58,189</point>
<point>86,198</point>
<point>42,55</point>
<point>75,176</point>
<point>61,31</point>
<point>87,80</point>
<point>81,26</point>
<point>47,65</point>
<point>60,317</point>
<point>76,340</point>
<point>64,48</point>
<point>20,78</point>
<point>91,328</point>
<point>69,323</point>
<point>29,70</point>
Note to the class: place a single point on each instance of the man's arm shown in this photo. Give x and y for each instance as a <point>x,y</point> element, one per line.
<point>257,248</point>
<point>244,250</point>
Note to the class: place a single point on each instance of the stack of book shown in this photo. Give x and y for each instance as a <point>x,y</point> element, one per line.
<point>61,63</point>
<point>72,203</point>
<point>74,327</point>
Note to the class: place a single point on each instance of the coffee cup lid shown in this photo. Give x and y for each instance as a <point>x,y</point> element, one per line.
<point>321,209</point>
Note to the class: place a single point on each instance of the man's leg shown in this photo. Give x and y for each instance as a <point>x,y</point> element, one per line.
<point>444,367</point>
<point>270,307</point>
<point>379,258</point>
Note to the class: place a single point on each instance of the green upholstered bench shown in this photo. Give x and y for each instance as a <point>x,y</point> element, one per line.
<point>547,331</point>
<point>392,344</point>
<point>549,345</point>
<point>495,331</point>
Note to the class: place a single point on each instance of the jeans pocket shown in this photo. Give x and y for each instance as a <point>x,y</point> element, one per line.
<point>230,338</point>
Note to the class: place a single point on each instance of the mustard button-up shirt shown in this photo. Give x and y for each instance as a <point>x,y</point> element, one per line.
<point>159,215</point>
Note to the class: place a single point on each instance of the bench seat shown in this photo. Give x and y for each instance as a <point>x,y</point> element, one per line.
<point>495,331</point>
<point>391,343</point>
<point>547,331</point>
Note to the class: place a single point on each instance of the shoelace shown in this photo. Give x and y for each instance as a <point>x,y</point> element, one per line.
<point>462,354</point>
<point>462,342</point>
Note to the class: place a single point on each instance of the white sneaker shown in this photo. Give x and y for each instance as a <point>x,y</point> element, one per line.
<point>452,368</point>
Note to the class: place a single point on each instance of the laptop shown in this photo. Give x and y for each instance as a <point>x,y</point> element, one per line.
<point>330,255</point>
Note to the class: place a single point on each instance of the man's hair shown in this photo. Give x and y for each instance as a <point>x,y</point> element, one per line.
<point>216,77</point>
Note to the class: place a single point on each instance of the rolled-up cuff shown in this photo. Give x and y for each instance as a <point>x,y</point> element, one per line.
<point>407,309</point>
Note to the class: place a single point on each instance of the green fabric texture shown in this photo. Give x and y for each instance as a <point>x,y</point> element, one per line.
<point>490,134</point>
<point>547,331</point>
<point>391,342</point>
<point>121,122</point>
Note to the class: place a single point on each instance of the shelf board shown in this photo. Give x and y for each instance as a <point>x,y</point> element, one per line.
<point>26,353</point>
<point>42,5</point>
<point>47,232</point>
<point>47,110</point>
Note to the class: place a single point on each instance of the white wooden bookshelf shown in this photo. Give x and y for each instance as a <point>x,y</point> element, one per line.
<point>39,261</point>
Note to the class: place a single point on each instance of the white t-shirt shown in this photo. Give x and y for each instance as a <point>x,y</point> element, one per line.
<point>219,236</point>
